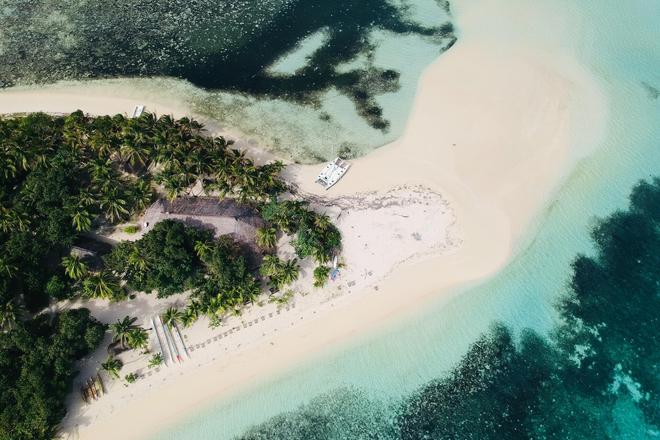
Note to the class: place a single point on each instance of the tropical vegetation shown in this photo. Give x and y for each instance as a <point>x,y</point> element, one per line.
<point>112,366</point>
<point>37,367</point>
<point>155,360</point>
<point>280,273</point>
<point>321,274</point>
<point>64,177</point>
<point>131,377</point>
<point>121,330</point>
<point>315,235</point>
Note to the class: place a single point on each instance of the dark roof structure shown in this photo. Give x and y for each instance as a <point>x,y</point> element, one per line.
<point>211,207</point>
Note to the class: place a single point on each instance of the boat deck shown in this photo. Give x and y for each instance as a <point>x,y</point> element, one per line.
<point>332,172</point>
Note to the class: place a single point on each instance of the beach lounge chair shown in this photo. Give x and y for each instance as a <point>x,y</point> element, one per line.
<point>137,111</point>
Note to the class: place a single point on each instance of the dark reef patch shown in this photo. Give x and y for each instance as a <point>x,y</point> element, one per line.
<point>651,91</point>
<point>598,369</point>
<point>217,45</point>
<point>342,414</point>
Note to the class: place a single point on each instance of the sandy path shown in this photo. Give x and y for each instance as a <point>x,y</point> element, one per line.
<point>493,129</point>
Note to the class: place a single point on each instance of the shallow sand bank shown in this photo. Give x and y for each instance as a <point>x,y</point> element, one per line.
<point>493,129</point>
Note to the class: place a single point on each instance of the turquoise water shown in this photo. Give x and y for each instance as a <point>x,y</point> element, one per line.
<point>353,391</point>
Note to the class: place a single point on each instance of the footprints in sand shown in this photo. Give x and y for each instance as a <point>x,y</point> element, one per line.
<point>244,325</point>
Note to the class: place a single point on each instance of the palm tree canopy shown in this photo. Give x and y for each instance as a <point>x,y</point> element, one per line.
<point>122,328</point>
<point>321,274</point>
<point>266,238</point>
<point>74,267</point>
<point>172,316</point>
<point>270,266</point>
<point>137,337</point>
<point>81,219</point>
<point>102,285</point>
<point>112,365</point>
<point>290,271</point>
<point>9,315</point>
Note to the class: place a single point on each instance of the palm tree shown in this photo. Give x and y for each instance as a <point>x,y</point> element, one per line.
<point>141,194</point>
<point>9,315</point>
<point>155,360</point>
<point>102,285</point>
<point>12,220</point>
<point>101,143</point>
<point>321,276</point>
<point>112,365</point>
<point>266,238</point>
<point>172,316</point>
<point>114,205</point>
<point>7,268</point>
<point>289,271</point>
<point>215,308</point>
<point>122,329</point>
<point>188,318</point>
<point>81,219</point>
<point>173,183</point>
<point>134,153</point>
<point>9,168</point>
<point>320,255</point>
<point>86,198</point>
<point>137,260</point>
<point>6,219</point>
<point>21,221</point>
<point>270,266</point>
<point>252,291</point>
<point>137,337</point>
<point>322,222</point>
<point>74,267</point>
<point>191,313</point>
<point>202,248</point>
<point>101,170</point>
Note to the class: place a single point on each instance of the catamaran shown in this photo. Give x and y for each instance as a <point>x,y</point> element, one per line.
<point>332,172</point>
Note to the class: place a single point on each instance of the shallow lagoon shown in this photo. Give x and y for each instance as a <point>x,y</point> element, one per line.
<point>306,78</point>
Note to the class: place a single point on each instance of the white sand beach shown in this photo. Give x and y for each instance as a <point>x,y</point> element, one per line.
<point>491,136</point>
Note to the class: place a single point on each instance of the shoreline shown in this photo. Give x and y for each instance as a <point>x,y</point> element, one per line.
<point>468,138</point>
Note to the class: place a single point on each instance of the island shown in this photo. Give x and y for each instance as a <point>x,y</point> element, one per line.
<point>211,221</point>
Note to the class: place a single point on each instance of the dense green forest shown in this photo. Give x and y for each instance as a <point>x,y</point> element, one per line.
<point>36,370</point>
<point>62,177</point>
<point>596,376</point>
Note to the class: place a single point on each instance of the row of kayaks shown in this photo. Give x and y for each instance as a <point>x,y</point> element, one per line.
<point>170,342</point>
<point>172,348</point>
